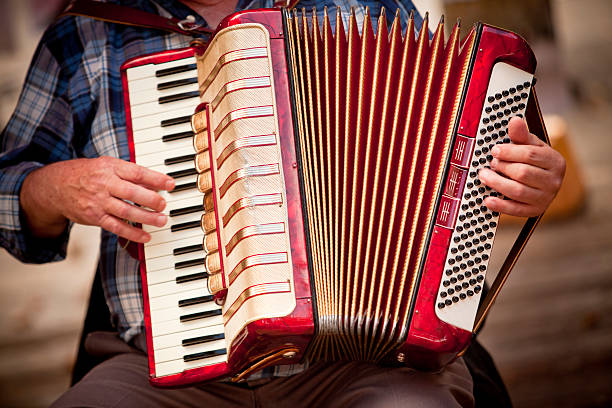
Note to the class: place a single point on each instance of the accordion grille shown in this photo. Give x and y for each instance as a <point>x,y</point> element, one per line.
<point>375,118</point>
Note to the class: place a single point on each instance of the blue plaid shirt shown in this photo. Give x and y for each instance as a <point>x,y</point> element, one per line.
<point>71,106</point>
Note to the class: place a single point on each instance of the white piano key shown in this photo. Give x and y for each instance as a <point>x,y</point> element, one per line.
<point>175,313</point>
<point>178,366</point>
<point>155,120</point>
<point>158,146</point>
<point>176,326</point>
<point>166,235</point>
<point>173,299</point>
<point>179,219</point>
<point>162,262</point>
<point>154,107</point>
<point>150,84</point>
<point>153,95</point>
<point>181,196</point>
<point>170,274</point>
<point>158,132</point>
<point>177,352</point>
<point>162,168</point>
<point>176,339</point>
<point>191,201</point>
<point>196,216</point>
<point>157,158</point>
<point>149,70</point>
<point>171,287</point>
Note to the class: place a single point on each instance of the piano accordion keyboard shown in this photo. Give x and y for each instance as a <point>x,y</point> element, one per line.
<point>186,324</point>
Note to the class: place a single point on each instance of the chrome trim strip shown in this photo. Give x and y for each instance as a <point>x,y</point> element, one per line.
<point>251,171</point>
<point>261,229</point>
<point>257,52</point>
<point>252,201</point>
<point>245,83</point>
<point>243,142</point>
<point>259,259</point>
<point>243,113</point>
<point>256,290</point>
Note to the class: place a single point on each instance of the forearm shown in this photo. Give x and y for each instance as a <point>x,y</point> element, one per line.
<point>38,196</point>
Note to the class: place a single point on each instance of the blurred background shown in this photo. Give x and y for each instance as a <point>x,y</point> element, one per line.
<point>550,332</point>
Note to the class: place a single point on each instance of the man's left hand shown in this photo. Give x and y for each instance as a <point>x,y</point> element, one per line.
<point>527,172</point>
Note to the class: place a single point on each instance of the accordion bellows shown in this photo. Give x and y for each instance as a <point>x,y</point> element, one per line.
<point>376,114</point>
<point>336,212</point>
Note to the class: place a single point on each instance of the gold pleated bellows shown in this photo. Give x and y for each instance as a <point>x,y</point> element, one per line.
<point>375,117</point>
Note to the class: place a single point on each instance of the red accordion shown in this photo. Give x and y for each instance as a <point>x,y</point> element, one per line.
<point>328,205</point>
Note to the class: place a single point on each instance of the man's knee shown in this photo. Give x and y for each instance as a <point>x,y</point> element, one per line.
<point>452,387</point>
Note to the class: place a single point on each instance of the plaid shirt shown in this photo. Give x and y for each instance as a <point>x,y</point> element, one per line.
<point>71,106</point>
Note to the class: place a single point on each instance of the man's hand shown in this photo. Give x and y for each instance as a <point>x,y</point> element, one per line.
<point>94,192</point>
<point>533,173</point>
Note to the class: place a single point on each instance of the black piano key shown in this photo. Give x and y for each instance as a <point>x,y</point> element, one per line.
<point>186,249</point>
<point>200,315</point>
<point>175,70</point>
<point>187,264</point>
<point>178,97</point>
<point>191,277</point>
<point>195,301</point>
<point>186,210</point>
<point>206,354</point>
<point>185,225</point>
<point>176,121</point>
<point>177,136</point>
<point>173,84</point>
<point>183,187</point>
<point>179,159</point>
<point>202,339</point>
<point>183,173</point>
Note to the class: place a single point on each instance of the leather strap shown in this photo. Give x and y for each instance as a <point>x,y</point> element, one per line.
<point>114,13</point>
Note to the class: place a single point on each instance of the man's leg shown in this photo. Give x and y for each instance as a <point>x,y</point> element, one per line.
<point>123,381</point>
<point>365,385</point>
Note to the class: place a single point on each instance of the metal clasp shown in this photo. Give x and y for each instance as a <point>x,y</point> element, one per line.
<point>188,23</point>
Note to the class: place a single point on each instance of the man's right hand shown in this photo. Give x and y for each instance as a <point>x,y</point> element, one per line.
<point>94,192</point>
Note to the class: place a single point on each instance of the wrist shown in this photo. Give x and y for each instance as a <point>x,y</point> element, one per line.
<point>37,200</point>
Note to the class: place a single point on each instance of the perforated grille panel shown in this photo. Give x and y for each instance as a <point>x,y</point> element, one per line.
<point>475,226</point>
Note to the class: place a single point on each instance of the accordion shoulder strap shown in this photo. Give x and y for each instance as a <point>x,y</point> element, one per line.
<point>533,115</point>
<point>115,13</point>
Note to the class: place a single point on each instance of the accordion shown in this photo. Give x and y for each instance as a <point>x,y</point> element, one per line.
<point>327,205</point>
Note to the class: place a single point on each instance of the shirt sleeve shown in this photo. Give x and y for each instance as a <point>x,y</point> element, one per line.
<point>39,132</point>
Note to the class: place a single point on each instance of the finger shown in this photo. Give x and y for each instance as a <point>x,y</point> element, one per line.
<point>145,177</point>
<point>126,190</point>
<point>519,133</point>
<point>511,207</point>
<point>509,188</point>
<point>126,211</point>
<point>539,156</point>
<point>523,173</point>
<point>123,229</point>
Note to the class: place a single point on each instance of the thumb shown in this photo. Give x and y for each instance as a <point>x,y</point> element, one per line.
<point>519,133</point>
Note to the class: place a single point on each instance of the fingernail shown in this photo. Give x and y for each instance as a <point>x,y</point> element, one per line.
<point>161,220</point>
<point>495,150</point>
<point>494,163</point>
<point>169,185</point>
